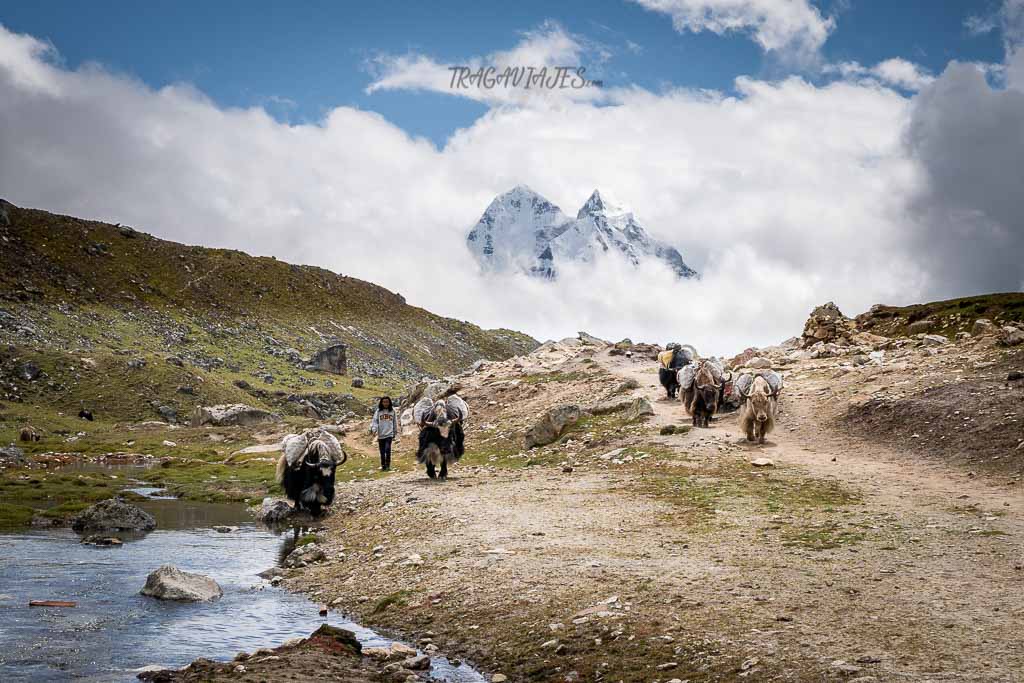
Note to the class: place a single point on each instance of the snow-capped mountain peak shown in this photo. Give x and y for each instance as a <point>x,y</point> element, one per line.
<point>521,231</point>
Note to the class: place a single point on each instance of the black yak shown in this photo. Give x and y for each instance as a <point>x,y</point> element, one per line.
<point>701,385</point>
<point>307,467</point>
<point>671,360</point>
<point>442,438</point>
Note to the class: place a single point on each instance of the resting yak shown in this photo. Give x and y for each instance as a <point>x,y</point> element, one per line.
<point>760,396</point>
<point>307,467</point>
<point>442,438</point>
<point>701,385</point>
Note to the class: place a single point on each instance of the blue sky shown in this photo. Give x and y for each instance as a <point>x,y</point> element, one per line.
<point>299,62</point>
<point>794,151</point>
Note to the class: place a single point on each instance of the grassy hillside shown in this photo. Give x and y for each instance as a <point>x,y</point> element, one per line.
<point>950,317</point>
<point>134,327</point>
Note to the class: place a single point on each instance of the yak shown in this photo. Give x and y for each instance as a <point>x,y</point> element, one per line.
<point>701,385</point>
<point>307,468</point>
<point>760,396</point>
<point>442,439</point>
<point>672,359</point>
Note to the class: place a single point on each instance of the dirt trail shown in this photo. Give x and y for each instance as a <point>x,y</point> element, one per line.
<point>675,558</point>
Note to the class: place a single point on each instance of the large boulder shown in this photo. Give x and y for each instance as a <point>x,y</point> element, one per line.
<point>614,404</point>
<point>273,511</point>
<point>170,583</point>
<point>640,407</point>
<point>827,324</point>
<point>113,514</point>
<point>551,425</point>
<point>333,359</point>
<point>921,326</point>
<point>233,414</point>
<point>1011,336</point>
<point>984,326</point>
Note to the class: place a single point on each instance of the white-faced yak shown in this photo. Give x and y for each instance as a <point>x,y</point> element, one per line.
<point>442,438</point>
<point>760,396</point>
<point>307,467</point>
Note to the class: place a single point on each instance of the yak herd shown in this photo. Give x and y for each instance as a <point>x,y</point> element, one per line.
<point>704,387</point>
<point>307,466</point>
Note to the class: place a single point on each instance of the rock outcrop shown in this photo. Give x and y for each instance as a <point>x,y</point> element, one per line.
<point>234,414</point>
<point>551,425</point>
<point>113,514</point>
<point>170,583</point>
<point>333,359</point>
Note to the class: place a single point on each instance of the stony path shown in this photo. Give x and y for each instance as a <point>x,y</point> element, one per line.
<point>844,561</point>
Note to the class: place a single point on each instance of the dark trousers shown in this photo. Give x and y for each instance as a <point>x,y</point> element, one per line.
<point>385,452</point>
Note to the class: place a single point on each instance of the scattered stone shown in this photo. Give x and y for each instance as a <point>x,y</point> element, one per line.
<point>11,455</point>
<point>934,340</point>
<point>358,383</point>
<point>762,462</point>
<point>305,555</point>
<point>170,583</point>
<point>113,514</point>
<point>667,430</point>
<point>224,529</point>
<point>417,663</point>
<point>758,363</point>
<point>499,678</point>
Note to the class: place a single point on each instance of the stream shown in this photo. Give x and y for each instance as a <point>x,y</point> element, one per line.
<point>114,631</point>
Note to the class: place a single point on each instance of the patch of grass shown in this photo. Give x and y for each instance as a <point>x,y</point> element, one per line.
<point>13,516</point>
<point>307,539</point>
<point>396,599</point>
<point>825,536</point>
<point>545,377</point>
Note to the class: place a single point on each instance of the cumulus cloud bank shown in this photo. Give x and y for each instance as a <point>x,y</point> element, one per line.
<point>784,196</point>
<point>549,46</point>
<point>793,26</point>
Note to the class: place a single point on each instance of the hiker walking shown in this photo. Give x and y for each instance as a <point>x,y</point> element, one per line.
<point>385,427</point>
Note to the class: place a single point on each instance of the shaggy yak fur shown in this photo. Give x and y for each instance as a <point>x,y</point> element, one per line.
<point>701,397</point>
<point>28,434</point>
<point>307,467</point>
<point>757,416</point>
<point>442,439</point>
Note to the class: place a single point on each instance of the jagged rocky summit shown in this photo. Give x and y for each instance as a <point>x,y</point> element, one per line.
<point>522,231</point>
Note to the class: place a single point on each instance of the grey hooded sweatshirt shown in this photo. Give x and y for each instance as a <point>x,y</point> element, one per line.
<point>385,424</point>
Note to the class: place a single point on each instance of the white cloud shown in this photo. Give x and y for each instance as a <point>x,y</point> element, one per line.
<point>548,46</point>
<point>894,72</point>
<point>776,25</point>
<point>784,196</point>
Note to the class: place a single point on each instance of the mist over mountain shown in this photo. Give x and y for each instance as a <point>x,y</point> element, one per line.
<point>521,231</point>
